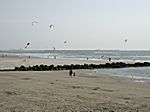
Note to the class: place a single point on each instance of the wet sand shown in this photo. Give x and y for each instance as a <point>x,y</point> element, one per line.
<point>55,91</point>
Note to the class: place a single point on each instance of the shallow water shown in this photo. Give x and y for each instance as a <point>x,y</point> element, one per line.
<point>137,74</point>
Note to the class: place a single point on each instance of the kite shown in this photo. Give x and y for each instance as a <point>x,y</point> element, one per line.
<point>51,25</point>
<point>54,48</point>
<point>65,42</point>
<point>126,40</point>
<point>34,22</point>
<point>27,45</point>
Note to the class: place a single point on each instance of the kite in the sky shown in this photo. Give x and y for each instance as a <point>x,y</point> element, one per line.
<point>54,48</point>
<point>51,25</point>
<point>27,45</point>
<point>126,40</point>
<point>34,22</point>
<point>65,42</point>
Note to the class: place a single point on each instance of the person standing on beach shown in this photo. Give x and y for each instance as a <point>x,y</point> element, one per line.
<point>109,59</point>
<point>74,74</point>
<point>70,73</point>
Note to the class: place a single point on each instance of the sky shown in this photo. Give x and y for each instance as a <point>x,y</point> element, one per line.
<point>84,24</point>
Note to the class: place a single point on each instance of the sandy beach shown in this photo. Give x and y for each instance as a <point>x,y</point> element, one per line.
<point>11,62</point>
<point>56,91</point>
<point>14,61</point>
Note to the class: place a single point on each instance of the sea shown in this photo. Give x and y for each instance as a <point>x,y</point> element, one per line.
<point>83,54</point>
<point>140,74</point>
<point>136,74</point>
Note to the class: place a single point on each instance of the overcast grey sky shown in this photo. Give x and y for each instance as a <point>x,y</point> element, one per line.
<point>84,24</point>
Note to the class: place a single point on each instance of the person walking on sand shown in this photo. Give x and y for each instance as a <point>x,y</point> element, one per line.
<point>70,73</point>
<point>74,74</point>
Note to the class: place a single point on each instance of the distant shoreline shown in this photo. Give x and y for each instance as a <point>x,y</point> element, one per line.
<point>10,62</point>
<point>52,67</point>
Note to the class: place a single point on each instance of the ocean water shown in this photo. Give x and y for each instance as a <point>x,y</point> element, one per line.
<point>136,74</point>
<point>116,55</point>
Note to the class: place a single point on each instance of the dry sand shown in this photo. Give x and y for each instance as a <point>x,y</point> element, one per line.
<point>55,91</point>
